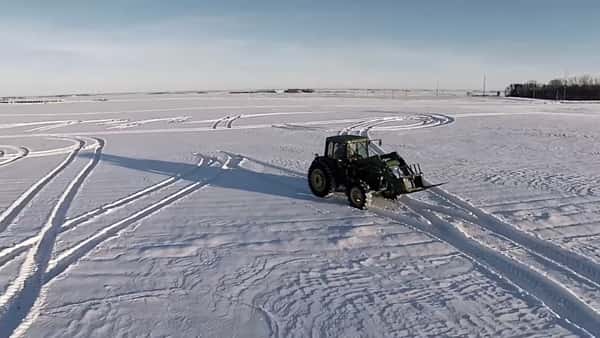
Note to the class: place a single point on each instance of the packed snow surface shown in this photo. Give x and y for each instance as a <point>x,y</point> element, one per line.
<point>189,215</point>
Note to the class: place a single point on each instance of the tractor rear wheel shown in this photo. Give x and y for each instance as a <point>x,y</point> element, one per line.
<point>320,180</point>
<point>359,195</point>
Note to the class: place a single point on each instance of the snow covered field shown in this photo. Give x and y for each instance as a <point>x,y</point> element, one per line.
<point>190,215</point>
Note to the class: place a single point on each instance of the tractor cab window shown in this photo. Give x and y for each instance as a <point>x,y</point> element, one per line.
<point>358,150</point>
<point>336,151</point>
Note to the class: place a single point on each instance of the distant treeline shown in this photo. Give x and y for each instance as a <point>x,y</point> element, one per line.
<point>575,88</point>
<point>274,91</point>
<point>26,100</point>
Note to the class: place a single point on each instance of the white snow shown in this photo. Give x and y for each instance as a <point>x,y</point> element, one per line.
<point>189,215</point>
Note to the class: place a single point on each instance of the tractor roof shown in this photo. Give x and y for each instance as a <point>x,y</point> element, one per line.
<point>347,138</point>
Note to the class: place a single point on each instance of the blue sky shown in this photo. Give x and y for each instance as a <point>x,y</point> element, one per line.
<point>130,45</point>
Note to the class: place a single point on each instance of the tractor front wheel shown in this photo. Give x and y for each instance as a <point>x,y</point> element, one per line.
<point>359,195</point>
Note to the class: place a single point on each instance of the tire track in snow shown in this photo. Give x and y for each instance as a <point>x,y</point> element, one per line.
<point>231,119</point>
<point>149,131</point>
<point>226,121</point>
<point>73,255</point>
<point>53,126</point>
<point>21,295</point>
<point>217,122</point>
<point>28,124</point>
<point>55,151</point>
<point>78,251</point>
<point>49,125</point>
<point>19,204</point>
<point>579,265</point>
<point>152,110</point>
<point>421,121</point>
<point>127,200</point>
<point>21,152</point>
<point>574,262</point>
<point>136,123</point>
<point>549,266</point>
<point>10,253</point>
<point>285,309</point>
<point>556,296</point>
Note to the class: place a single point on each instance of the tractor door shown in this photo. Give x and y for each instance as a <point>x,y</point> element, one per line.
<point>337,153</point>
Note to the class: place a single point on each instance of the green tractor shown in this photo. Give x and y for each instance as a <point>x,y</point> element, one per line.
<point>348,166</point>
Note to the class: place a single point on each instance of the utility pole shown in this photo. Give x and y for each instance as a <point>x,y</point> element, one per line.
<point>437,88</point>
<point>565,87</point>
<point>484,79</point>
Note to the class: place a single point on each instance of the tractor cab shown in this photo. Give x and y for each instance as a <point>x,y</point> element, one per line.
<point>347,147</point>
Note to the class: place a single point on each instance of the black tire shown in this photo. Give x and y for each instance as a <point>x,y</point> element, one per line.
<point>320,180</point>
<point>359,195</point>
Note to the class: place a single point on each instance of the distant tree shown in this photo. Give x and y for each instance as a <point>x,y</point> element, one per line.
<point>556,83</point>
<point>573,81</point>
<point>586,80</point>
<point>584,87</point>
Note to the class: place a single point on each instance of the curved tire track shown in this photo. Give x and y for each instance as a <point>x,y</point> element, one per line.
<point>10,253</point>
<point>21,295</point>
<point>21,306</point>
<point>217,122</point>
<point>232,119</point>
<point>78,251</point>
<point>421,121</point>
<point>21,153</point>
<point>227,121</point>
<point>87,216</point>
<point>17,206</point>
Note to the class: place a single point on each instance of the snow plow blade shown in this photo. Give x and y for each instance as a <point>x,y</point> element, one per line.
<point>425,187</point>
<point>413,183</point>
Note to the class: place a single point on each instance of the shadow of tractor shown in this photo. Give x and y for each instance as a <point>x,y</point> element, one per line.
<point>289,184</point>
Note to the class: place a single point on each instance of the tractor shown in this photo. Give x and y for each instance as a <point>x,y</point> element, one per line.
<point>351,165</point>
